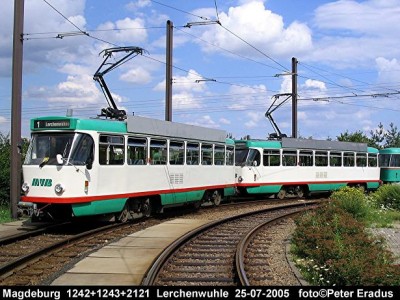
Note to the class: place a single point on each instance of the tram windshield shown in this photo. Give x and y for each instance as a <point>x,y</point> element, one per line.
<point>74,148</point>
<point>247,157</point>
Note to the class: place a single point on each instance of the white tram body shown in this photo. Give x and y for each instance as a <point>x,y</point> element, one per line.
<point>301,166</point>
<point>81,167</point>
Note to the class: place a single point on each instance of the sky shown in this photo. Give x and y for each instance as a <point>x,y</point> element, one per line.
<point>231,60</point>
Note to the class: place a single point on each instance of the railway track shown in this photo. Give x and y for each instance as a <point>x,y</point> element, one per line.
<point>215,253</point>
<point>34,259</point>
<point>37,257</point>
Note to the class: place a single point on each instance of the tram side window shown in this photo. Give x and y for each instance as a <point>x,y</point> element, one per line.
<point>111,150</point>
<point>229,155</point>
<point>137,151</point>
<point>289,158</point>
<point>361,159</point>
<point>372,160</point>
<point>219,155</point>
<point>395,161</point>
<point>306,158</point>
<point>176,153</point>
<point>271,158</point>
<point>206,154</point>
<point>192,153</point>
<point>384,160</point>
<point>158,152</point>
<point>335,159</point>
<point>321,158</point>
<point>348,159</point>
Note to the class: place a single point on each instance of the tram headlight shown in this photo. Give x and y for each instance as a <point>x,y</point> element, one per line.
<point>59,188</point>
<point>25,187</point>
<point>240,179</point>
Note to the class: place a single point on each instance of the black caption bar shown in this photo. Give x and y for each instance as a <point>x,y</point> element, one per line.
<point>217,293</point>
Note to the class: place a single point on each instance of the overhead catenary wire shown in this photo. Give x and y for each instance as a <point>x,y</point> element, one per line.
<point>229,83</point>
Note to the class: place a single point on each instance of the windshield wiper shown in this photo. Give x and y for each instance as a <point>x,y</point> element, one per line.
<point>44,161</point>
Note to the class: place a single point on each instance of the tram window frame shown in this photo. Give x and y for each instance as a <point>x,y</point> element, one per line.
<point>271,157</point>
<point>219,155</point>
<point>230,156</point>
<point>138,147</point>
<point>361,159</point>
<point>348,159</point>
<point>372,160</point>
<point>204,150</point>
<point>109,146</point>
<point>192,153</point>
<point>176,152</point>
<point>289,158</point>
<point>321,158</point>
<point>160,147</point>
<point>335,159</point>
<point>306,158</point>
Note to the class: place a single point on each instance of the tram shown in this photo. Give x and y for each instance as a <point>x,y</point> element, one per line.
<point>389,161</point>
<point>300,167</point>
<point>125,169</point>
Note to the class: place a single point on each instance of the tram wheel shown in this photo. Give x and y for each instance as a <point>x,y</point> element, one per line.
<point>281,194</point>
<point>216,198</point>
<point>299,191</point>
<point>124,215</point>
<point>146,208</point>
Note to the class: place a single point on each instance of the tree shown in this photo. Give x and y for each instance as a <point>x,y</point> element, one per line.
<point>392,137</point>
<point>5,165</point>
<point>356,137</point>
<point>5,147</point>
<point>378,136</point>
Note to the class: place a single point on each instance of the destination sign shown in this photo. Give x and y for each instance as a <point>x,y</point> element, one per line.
<point>51,124</point>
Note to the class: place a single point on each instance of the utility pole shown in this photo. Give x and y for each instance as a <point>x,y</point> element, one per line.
<point>168,78</point>
<point>15,174</point>
<point>294,97</point>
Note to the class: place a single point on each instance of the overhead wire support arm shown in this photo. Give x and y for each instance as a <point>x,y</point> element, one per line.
<point>112,111</point>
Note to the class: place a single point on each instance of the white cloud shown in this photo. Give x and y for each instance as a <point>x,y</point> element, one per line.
<point>254,119</point>
<point>124,31</point>
<point>261,28</point>
<point>246,97</point>
<point>137,75</point>
<point>388,70</point>
<point>184,100</point>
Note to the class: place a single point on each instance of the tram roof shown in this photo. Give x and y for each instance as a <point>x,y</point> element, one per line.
<point>292,143</point>
<point>133,124</point>
<point>390,151</point>
<point>156,127</point>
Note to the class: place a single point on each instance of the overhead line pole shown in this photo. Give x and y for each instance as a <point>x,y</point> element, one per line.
<point>168,78</point>
<point>294,97</point>
<point>16,104</point>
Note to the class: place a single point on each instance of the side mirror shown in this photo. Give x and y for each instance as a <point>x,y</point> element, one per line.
<point>60,159</point>
<point>89,163</point>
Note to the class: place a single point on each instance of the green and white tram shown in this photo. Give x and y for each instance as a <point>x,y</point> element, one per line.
<point>389,162</point>
<point>81,167</point>
<point>298,167</point>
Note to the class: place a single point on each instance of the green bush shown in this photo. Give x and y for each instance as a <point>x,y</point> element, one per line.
<point>334,249</point>
<point>352,200</point>
<point>387,197</point>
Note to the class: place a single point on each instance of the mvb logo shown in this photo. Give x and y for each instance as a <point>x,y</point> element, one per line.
<point>42,182</point>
